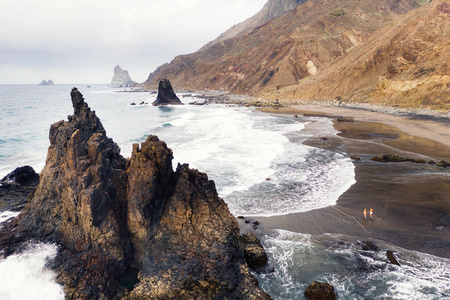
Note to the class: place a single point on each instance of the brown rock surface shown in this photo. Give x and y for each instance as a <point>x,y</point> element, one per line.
<point>392,52</point>
<point>320,291</point>
<point>130,229</point>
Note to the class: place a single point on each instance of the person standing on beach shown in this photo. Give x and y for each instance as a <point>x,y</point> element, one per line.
<point>371,212</point>
<point>365,213</point>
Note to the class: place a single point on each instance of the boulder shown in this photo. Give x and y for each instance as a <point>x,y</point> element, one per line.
<point>391,257</point>
<point>255,254</point>
<point>369,246</point>
<point>15,188</point>
<point>130,229</point>
<point>320,291</point>
<point>443,164</point>
<point>166,95</point>
<point>22,175</point>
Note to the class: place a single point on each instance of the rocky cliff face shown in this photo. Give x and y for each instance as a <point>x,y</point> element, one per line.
<point>130,229</point>
<point>121,77</point>
<point>271,10</point>
<point>393,52</point>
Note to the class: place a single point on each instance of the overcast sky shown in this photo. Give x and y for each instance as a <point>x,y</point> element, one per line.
<point>82,41</point>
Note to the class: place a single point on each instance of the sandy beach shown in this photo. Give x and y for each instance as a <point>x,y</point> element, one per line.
<point>411,201</point>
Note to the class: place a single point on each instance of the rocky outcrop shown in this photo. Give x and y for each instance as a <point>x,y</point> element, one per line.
<point>320,291</point>
<point>121,78</point>
<point>271,10</point>
<point>254,251</point>
<point>166,94</point>
<point>49,82</point>
<point>15,188</point>
<point>396,158</point>
<point>443,164</point>
<point>130,229</point>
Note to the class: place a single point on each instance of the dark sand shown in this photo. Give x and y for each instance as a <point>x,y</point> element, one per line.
<point>411,209</point>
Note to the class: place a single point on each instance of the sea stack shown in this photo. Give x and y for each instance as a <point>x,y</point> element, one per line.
<point>166,95</point>
<point>122,78</point>
<point>129,229</point>
<point>45,82</point>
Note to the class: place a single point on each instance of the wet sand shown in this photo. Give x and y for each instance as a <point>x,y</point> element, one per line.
<point>411,201</point>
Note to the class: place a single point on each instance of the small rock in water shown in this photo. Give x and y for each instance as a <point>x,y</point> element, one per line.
<point>254,252</point>
<point>391,257</point>
<point>443,164</point>
<point>320,290</point>
<point>369,245</point>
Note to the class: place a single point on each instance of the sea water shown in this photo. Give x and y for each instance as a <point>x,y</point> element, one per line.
<point>259,165</point>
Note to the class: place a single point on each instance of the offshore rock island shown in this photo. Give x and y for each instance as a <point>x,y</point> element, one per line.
<point>130,229</point>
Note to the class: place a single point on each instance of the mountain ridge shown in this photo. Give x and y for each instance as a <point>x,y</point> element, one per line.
<point>310,51</point>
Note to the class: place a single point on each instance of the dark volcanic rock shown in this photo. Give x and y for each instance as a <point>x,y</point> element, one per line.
<point>131,229</point>
<point>320,291</point>
<point>16,186</point>
<point>396,158</point>
<point>166,95</point>
<point>22,175</point>
<point>369,245</point>
<point>391,257</point>
<point>254,251</point>
<point>443,164</point>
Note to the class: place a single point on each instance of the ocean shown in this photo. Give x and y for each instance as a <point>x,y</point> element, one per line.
<point>260,167</point>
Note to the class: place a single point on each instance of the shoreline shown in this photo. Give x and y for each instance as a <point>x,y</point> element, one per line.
<point>411,208</point>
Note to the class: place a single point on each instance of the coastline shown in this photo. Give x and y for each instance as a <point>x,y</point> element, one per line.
<point>411,207</point>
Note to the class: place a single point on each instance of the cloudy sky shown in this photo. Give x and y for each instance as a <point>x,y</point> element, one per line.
<point>82,41</point>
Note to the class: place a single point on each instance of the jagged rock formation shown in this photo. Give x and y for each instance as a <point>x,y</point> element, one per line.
<point>166,94</point>
<point>49,82</point>
<point>122,78</point>
<point>130,229</point>
<point>392,52</point>
<point>15,188</point>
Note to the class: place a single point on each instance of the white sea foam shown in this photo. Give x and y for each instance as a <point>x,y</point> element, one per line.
<point>224,143</point>
<point>303,178</point>
<point>24,276</point>
<point>355,273</point>
<point>8,215</point>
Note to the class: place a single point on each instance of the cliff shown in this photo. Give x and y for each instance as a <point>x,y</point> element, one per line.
<point>122,78</point>
<point>271,10</point>
<point>393,52</point>
<point>130,229</point>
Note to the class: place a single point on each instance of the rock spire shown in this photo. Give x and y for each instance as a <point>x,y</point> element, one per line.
<point>166,94</point>
<point>130,229</point>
